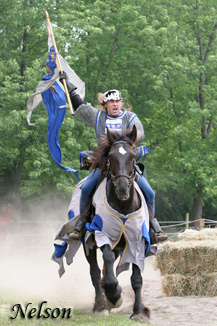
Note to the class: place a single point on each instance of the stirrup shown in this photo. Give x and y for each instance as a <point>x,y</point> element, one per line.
<point>76,235</point>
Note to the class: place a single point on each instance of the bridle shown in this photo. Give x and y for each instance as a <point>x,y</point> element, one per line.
<point>130,177</point>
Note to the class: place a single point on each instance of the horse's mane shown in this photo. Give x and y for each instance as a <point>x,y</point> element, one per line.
<point>100,155</point>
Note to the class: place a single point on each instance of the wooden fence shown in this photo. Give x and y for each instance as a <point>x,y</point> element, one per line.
<point>173,228</point>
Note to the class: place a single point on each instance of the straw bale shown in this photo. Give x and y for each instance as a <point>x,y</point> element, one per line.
<point>205,234</point>
<point>190,257</point>
<point>204,284</point>
<point>189,266</point>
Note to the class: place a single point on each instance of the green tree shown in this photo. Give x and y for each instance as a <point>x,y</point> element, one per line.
<point>162,56</point>
<point>183,100</point>
<point>27,168</point>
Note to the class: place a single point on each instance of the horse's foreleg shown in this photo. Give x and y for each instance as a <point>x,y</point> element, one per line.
<point>95,274</point>
<point>139,310</point>
<point>109,281</point>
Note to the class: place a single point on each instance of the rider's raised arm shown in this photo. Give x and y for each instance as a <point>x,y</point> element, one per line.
<point>84,111</point>
<point>87,113</point>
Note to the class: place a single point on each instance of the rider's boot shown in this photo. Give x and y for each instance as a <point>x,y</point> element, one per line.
<point>78,230</point>
<point>80,224</point>
<point>156,233</point>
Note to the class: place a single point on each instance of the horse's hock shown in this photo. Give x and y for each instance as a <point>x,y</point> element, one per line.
<point>189,266</point>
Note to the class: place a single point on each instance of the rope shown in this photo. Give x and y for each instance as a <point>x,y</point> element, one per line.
<point>184,223</point>
<point>174,234</point>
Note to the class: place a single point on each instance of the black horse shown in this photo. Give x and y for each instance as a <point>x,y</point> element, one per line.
<point>116,158</point>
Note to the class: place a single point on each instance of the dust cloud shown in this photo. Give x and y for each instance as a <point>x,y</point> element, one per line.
<point>28,274</point>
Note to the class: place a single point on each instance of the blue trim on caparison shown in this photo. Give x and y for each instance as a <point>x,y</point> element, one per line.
<point>124,219</point>
<point>146,236</point>
<point>71,214</point>
<point>60,249</point>
<point>96,225</point>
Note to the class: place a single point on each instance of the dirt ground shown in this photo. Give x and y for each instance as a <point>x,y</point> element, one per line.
<point>27,274</point>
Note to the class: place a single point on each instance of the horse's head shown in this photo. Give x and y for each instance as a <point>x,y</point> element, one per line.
<point>121,161</point>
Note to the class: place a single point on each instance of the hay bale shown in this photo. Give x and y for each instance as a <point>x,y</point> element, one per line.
<point>189,266</point>
<point>205,234</point>
<point>180,285</point>
<point>190,257</point>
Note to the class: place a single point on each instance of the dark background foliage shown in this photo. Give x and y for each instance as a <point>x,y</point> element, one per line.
<point>162,55</point>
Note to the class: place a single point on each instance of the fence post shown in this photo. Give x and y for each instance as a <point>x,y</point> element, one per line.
<point>187,220</point>
<point>202,223</point>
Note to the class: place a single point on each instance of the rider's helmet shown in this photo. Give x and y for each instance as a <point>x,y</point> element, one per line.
<point>113,94</point>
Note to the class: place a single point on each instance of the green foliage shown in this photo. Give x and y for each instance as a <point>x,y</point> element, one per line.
<point>154,52</point>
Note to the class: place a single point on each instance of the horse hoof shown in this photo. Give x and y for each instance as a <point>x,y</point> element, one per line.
<point>140,317</point>
<point>117,304</point>
<point>104,312</point>
<point>100,306</point>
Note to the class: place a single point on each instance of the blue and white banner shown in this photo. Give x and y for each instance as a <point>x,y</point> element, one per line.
<point>51,91</point>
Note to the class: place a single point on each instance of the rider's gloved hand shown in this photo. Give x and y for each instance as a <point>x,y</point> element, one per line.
<point>75,98</point>
<point>70,86</point>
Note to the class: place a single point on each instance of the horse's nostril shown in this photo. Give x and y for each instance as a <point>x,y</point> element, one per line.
<point>123,198</point>
<point>122,193</point>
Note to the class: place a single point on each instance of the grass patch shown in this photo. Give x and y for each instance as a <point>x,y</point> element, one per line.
<point>78,318</point>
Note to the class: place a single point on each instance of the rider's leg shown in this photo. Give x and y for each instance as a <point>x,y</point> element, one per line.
<point>86,195</point>
<point>150,200</point>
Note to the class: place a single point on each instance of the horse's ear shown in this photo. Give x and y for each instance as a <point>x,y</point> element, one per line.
<point>110,136</point>
<point>133,134</point>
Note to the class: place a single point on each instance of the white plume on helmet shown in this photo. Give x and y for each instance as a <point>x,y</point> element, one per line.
<point>113,94</point>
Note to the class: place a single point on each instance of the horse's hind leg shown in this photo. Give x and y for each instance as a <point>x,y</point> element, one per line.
<point>109,281</point>
<point>140,312</point>
<point>95,274</point>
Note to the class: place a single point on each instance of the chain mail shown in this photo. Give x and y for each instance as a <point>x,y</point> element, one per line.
<point>87,113</point>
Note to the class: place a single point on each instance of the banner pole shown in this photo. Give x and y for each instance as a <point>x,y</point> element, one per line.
<point>59,64</point>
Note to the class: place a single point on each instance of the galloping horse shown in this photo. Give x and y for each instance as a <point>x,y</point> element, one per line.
<point>122,203</point>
